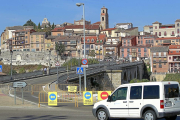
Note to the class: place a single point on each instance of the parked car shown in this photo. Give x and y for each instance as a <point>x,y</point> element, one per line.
<point>148,100</point>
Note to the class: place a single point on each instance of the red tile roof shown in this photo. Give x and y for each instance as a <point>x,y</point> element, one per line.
<point>88,27</point>
<point>174,46</point>
<point>102,36</point>
<point>174,53</point>
<point>58,29</point>
<point>109,29</point>
<point>167,38</point>
<point>90,37</point>
<point>97,23</point>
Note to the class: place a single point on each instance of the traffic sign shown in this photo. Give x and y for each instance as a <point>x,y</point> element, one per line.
<point>57,64</point>
<point>84,61</point>
<point>84,66</point>
<point>0,68</point>
<point>52,98</point>
<point>19,84</point>
<point>72,88</point>
<point>102,95</point>
<point>87,98</point>
<point>79,70</point>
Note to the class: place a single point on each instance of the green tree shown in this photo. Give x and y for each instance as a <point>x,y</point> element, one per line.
<point>60,48</point>
<point>13,72</point>
<point>39,26</point>
<point>0,51</point>
<point>92,53</point>
<point>53,26</point>
<point>137,80</point>
<point>29,23</point>
<point>22,70</point>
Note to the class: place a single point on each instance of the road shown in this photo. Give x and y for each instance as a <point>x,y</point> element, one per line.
<point>50,113</point>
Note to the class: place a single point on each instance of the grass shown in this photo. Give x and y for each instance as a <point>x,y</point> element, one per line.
<point>21,68</point>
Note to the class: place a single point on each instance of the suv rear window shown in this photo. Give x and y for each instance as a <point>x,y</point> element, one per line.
<point>151,92</point>
<point>171,90</point>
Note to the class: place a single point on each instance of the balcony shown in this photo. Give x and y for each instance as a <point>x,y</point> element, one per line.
<point>70,49</point>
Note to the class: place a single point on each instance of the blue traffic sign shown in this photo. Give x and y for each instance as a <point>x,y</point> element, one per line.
<point>87,95</point>
<point>52,96</point>
<point>0,68</point>
<point>79,70</point>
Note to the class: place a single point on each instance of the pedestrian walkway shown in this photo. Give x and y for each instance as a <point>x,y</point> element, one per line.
<point>6,100</point>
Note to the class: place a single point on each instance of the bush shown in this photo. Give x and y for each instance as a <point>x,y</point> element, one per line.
<point>137,80</point>
<point>22,70</point>
<point>172,77</point>
<point>13,72</point>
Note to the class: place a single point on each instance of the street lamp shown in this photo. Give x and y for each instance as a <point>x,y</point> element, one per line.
<point>70,59</point>
<point>49,61</point>
<point>79,4</point>
<point>11,52</point>
<point>79,74</point>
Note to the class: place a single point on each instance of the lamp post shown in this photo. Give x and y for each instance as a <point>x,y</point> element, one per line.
<point>11,52</point>
<point>70,59</point>
<point>79,74</point>
<point>79,4</point>
<point>49,60</point>
<point>57,66</point>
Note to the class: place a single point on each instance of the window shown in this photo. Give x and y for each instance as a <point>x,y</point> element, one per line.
<point>128,50</point>
<point>154,65</point>
<point>96,47</point>
<point>177,24</point>
<point>171,90</point>
<point>102,18</point>
<point>97,41</point>
<point>87,40</point>
<point>92,46</point>
<point>169,58</point>
<point>146,41</point>
<point>151,41</point>
<point>138,42</point>
<point>136,92</point>
<point>145,50</point>
<point>159,54</point>
<point>172,32</point>
<point>156,33</point>
<point>103,11</point>
<point>59,34</point>
<point>26,41</point>
<point>155,27</point>
<point>141,42</point>
<point>165,33</point>
<point>139,49</point>
<point>151,92</point>
<point>160,65</point>
<point>156,41</point>
<point>122,50</point>
<point>65,43</point>
<point>92,40</point>
<point>159,33</point>
<point>119,94</point>
<point>100,41</point>
<point>164,54</point>
<point>177,30</point>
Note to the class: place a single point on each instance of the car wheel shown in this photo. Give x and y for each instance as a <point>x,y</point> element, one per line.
<point>171,118</point>
<point>102,115</point>
<point>149,115</point>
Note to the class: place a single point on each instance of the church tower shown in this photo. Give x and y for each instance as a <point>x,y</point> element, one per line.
<point>104,18</point>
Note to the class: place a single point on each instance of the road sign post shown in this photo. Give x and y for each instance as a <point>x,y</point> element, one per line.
<point>84,62</point>
<point>0,68</point>
<point>102,95</point>
<point>57,65</point>
<point>19,85</point>
<point>52,98</point>
<point>79,70</point>
<point>87,98</point>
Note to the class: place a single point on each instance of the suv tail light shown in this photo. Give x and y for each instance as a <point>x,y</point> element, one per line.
<point>162,104</point>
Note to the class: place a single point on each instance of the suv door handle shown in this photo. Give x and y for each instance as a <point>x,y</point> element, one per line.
<point>131,101</point>
<point>124,101</point>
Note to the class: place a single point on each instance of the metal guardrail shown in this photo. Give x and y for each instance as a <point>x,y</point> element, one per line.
<point>99,68</point>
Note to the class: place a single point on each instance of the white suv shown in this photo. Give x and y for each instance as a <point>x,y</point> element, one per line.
<point>148,100</point>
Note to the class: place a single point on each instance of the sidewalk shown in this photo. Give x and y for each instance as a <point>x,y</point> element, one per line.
<point>6,100</point>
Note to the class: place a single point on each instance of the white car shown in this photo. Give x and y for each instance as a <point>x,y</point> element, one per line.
<point>148,100</point>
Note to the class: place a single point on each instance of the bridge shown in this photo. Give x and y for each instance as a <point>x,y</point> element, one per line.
<point>104,75</point>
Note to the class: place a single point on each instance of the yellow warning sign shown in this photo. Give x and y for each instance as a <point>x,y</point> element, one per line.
<point>102,95</point>
<point>52,98</point>
<point>87,98</point>
<point>72,88</point>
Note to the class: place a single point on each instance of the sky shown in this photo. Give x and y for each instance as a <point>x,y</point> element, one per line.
<point>137,12</point>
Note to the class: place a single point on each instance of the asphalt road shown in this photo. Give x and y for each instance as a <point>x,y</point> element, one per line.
<point>52,113</point>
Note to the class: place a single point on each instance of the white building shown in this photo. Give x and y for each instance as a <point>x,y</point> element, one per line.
<point>124,25</point>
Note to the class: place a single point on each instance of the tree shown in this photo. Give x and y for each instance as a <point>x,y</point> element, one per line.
<point>60,48</point>
<point>29,23</point>
<point>53,26</point>
<point>39,26</point>
<point>92,53</point>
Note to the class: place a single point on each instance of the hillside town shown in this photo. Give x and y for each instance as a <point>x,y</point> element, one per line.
<point>158,43</point>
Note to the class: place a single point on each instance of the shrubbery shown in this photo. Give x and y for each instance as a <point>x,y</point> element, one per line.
<point>137,80</point>
<point>172,77</point>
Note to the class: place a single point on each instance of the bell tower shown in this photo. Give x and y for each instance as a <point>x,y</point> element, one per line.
<point>104,18</point>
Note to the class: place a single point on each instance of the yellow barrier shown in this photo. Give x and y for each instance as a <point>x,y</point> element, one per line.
<point>62,97</point>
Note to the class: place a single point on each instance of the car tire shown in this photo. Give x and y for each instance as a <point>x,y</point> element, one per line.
<point>102,114</point>
<point>149,115</point>
<point>171,118</point>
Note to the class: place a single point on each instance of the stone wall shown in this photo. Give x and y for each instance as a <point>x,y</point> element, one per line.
<point>30,58</point>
